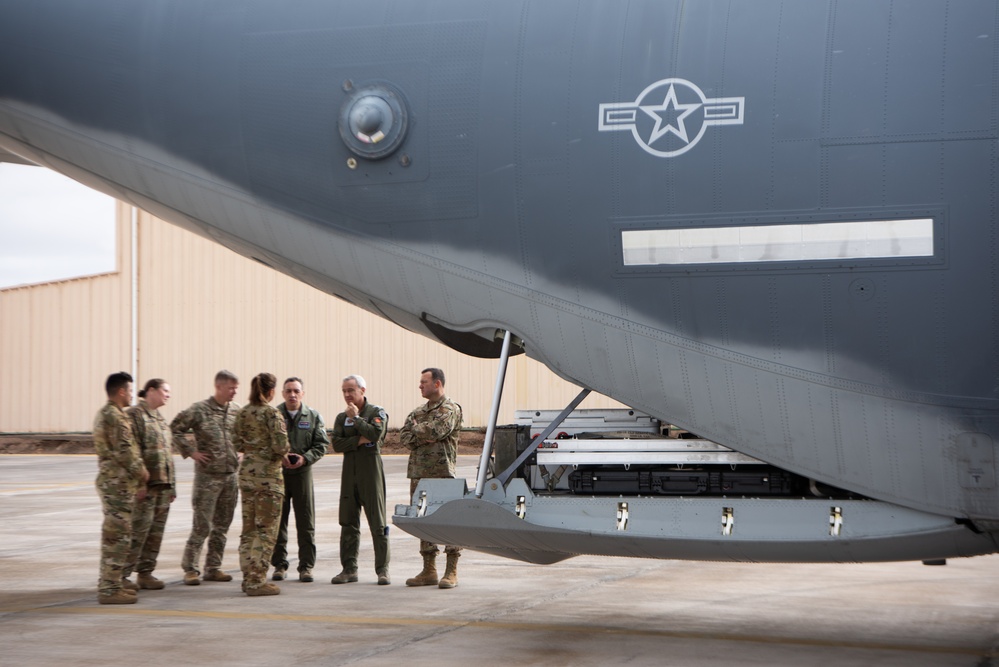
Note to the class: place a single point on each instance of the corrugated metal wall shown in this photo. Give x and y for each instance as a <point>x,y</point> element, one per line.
<point>202,308</point>
<point>59,341</point>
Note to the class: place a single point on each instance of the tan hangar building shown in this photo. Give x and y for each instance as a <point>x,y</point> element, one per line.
<point>181,307</point>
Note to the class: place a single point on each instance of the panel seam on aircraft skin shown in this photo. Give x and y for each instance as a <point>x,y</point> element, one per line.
<point>377,244</point>
<point>971,135</point>
<point>685,343</point>
<point>502,625</point>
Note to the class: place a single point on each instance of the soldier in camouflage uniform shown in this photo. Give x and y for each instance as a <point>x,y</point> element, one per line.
<point>215,488</point>
<point>150,515</point>
<point>358,434</point>
<point>431,434</point>
<point>259,433</point>
<point>121,479</point>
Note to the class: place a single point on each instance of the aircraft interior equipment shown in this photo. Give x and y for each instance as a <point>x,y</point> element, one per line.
<point>632,491</point>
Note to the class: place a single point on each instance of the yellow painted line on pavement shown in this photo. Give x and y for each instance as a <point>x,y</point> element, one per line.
<point>504,625</point>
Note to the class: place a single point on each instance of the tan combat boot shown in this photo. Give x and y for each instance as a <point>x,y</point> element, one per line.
<point>265,589</point>
<point>428,577</point>
<point>216,575</point>
<point>345,577</point>
<point>148,582</point>
<point>191,578</point>
<point>450,578</point>
<point>118,597</point>
<point>128,584</point>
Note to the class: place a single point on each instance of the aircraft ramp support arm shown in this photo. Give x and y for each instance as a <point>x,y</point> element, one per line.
<point>504,476</point>
<point>487,445</point>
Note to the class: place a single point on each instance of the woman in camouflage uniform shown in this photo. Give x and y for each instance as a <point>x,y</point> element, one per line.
<point>259,433</point>
<point>150,515</point>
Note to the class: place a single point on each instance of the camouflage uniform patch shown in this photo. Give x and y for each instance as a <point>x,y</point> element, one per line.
<point>148,526</point>
<point>431,433</point>
<point>150,514</point>
<point>259,432</point>
<point>215,491</point>
<point>118,478</point>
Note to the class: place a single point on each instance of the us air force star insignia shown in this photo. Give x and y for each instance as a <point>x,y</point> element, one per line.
<point>674,115</point>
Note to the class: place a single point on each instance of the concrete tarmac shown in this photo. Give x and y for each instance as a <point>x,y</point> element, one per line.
<point>584,611</point>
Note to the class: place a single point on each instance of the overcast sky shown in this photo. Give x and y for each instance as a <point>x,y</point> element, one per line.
<point>51,227</point>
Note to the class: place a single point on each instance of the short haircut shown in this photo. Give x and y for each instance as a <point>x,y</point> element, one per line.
<point>115,382</point>
<point>155,383</point>
<point>435,374</point>
<point>260,386</point>
<point>226,376</point>
<point>293,379</point>
<point>358,379</point>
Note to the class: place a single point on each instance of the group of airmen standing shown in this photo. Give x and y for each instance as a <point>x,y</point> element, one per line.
<point>265,455</point>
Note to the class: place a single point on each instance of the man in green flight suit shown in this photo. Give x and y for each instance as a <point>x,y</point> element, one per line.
<point>309,441</point>
<point>358,434</point>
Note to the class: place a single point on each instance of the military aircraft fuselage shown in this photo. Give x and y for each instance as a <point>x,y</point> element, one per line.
<point>772,222</point>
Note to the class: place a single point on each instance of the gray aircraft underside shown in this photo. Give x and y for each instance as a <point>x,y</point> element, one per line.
<point>771,223</point>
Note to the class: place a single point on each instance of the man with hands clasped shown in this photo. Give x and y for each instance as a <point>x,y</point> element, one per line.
<point>309,441</point>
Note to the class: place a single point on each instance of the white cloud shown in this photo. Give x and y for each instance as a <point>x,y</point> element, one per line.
<point>52,227</point>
